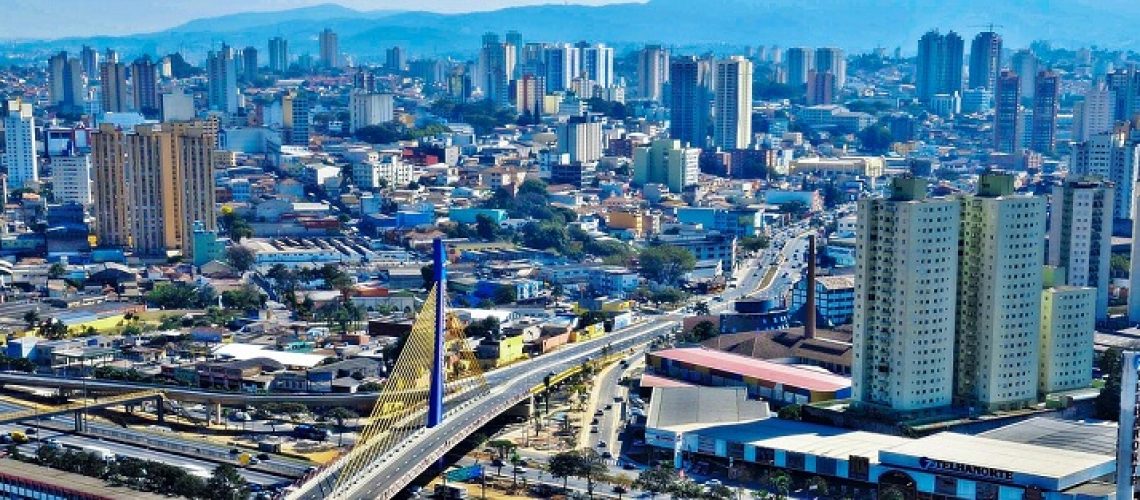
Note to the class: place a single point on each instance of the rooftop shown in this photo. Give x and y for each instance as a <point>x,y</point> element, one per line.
<point>758,369</point>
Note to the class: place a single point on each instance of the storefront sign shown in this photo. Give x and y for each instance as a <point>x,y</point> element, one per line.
<point>973,471</point>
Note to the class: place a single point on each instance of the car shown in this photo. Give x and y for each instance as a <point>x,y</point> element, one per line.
<point>52,443</point>
<point>629,466</point>
<point>263,456</point>
<point>235,451</point>
<point>713,482</point>
<point>594,422</point>
<point>599,413</point>
<point>498,462</point>
<point>520,469</point>
<point>254,461</point>
<point>601,444</point>
<point>609,407</point>
<point>31,431</point>
<point>594,430</point>
<point>607,454</point>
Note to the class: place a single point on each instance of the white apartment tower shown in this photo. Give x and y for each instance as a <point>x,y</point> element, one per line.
<point>1094,114</point>
<point>221,68</point>
<point>1111,156</point>
<point>1067,328</point>
<point>366,109</point>
<point>733,103</point>
<point>581,138</point>
<point>905,283</point>
<point>71,178</point>
<point>1080,236</point>
<point>999,296</point>
<point>20,144</point>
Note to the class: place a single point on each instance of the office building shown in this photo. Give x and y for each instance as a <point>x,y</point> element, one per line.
<point>497,61</point>
<point>939,64</point>
<point>71,177</point>
<point>1110,156</point>
<point>1067,328</point>
<point>395,59</point>
<point>329,49</point>
<point>1125,86</point>
<point>530,96</point>
<point>561,65</point>
<point>798,61</point>
<point>1080,236</point>
<point>151,184</point>
<point>20,145</point>
<point>65,82</point>
<point>177,106</point>
<point>222,87</point>
<point>667,162</point>
<point>278,55</point>
<point>985,60</point>
<point>367,109</point>
<point>249,67</point>
<point>999,296</point>
<point>576,173</point>
<point>515,39</point>
<point>905,298</point>
<point>89,59</point>
<point>1024,63</point>
<point>652,72</point>
<point>1007,106</point>
<point>113,87</point>
<point>581,138</point>
<point>1094,114</point>
<point>688,102</point>
<point>832,60</point>
<point>598,64</point>
<point>144,86</point>
<point>821,88</point>
<point>732,124</point>
<point>1046,103</point>
<point>739,222</point>
<point>297,120</point>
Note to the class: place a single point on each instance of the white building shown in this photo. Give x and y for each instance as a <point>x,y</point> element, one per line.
<point>1080,236</point>
<point>221,73</point>
<point>20,145</point>
<point>905,296</point>
<point>366,109</point>
<point>1093,115</point>
<point>598,64</point>
<point>1110,156</point>
<point>1067,328</point>
<point>177,106</point>
<point>733,103</point>
<point>71,178</point>
<point>999,296</point>
<point>388,170</point>
<point>581,138</point>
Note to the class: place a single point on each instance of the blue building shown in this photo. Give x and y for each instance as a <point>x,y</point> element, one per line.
<point>525,289</point>
<point>834,299</point>
<point>754,316</point>
<point>471,215</point>
<point>739,222</point>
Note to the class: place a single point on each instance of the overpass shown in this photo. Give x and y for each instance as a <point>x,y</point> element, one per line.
<point>80,408</point>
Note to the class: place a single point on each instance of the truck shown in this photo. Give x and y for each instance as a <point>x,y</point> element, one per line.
<point>306,431</point>
<point>103,453</point>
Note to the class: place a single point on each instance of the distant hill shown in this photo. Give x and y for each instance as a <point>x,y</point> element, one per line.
<point>855,26</point>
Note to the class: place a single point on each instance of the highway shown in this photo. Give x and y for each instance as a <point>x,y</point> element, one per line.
<point>386,477</point>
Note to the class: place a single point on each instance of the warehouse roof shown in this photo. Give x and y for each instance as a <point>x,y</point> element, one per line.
<point>761,370</point>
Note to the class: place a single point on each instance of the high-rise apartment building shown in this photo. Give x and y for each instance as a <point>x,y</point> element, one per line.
<point>939,65</point>
<point>581,138</point>
<point>820,88</point>
<point>1111,156</point>
<point>688,102</point>
<point>667,162</point>
<point>1094,114</point>
<point>530,92</point>
<point>144,86</point>
<point>1080,236</point>
<point>113,82</point>
<point>330,49</point>
<point>65,82</point>
<point>221,73</point>
<point>598,64</point>
<point>985,60</point>
<point>652,72</point>
<point>367,108</point>
<point>497,61</point>
<point>20,144</point>
<point>732,125</point>
<point>515,39</point>
<point>1067,328</point>
<point>1007,108</point>
<point>152,183</point>
<point>1125,86</point>
<point>999,296</point>
<point>298,122</point>
<point>832,60</point>
<point>1024,63</point>
<point>89,59</point>
<point>1046,103</point>
<point>278,55</point>
<point>561,64</point>
<point>798,61</point>
<point>905,297</point>
<point>71,177</point>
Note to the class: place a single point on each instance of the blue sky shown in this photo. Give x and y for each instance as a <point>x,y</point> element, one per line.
<point>63,18</point>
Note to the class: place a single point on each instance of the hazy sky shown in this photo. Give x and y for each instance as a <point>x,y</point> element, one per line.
<point>63,18</point>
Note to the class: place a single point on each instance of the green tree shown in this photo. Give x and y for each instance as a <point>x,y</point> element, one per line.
<point>505,295</point>
<point>703,331</point>
<point>486,228</point>
<point>384,133</point>
<point>875,138</point>
<point>701,308</point>
<point>666,264</point>
<point>686,489</point>
<point>533,186</point>
<point>720,492</point>
<point>563,465</point>
<point>656,480</point>
<point>790,412</point>
<point>235,225</point>
<point>227,483</point>
<point>246,298</point>
<point>485,327</point>
<point>240,257</point>
<point>1107,403</point>
<point>754,243</point>
<point>340,414</point>
<point>32,318</point>
<point>1120,265</point>
<point>56,271</point>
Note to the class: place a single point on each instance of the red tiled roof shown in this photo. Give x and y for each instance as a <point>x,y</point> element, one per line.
<point>761,370</point>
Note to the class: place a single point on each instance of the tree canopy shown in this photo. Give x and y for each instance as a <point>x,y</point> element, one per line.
<point>666,264</point>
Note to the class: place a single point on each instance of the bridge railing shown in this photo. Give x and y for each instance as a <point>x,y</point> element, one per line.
<point>78,405</point>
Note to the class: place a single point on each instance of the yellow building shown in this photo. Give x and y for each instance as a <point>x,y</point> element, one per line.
<point>631,220</point>
<point>500,352</point>
<point>588,332</point>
